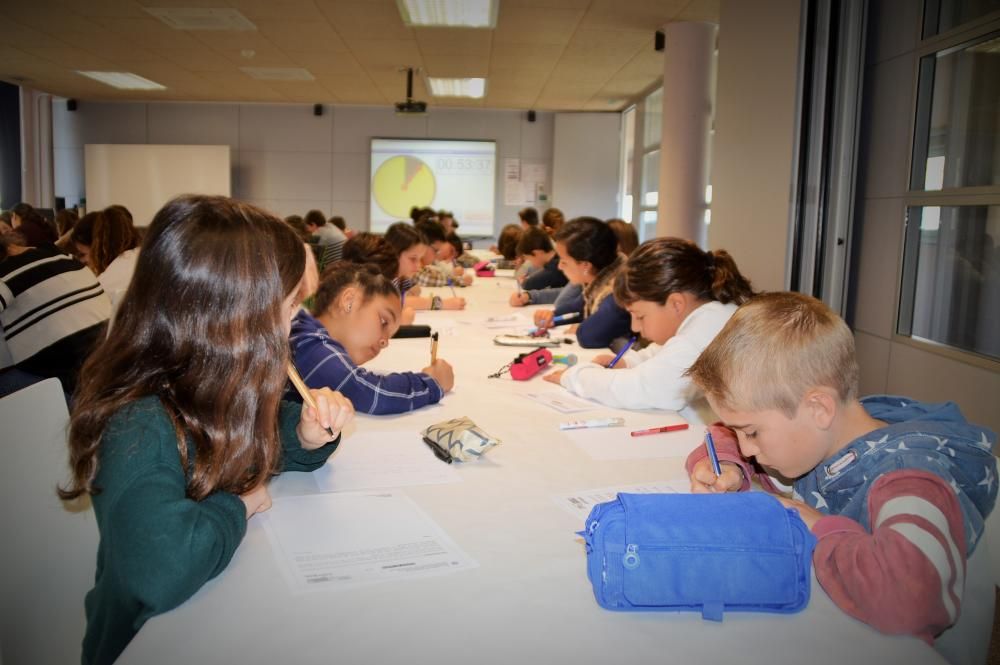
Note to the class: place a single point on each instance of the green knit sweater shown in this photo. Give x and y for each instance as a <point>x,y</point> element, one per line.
<point>158,547</point>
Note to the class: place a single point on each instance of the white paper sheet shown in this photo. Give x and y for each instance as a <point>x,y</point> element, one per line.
<point>329,542</point>
<point>507,321</point>
<point>615,443</point>
<point>562,401</point>
<point>370,460</point>
<point>579,504</point>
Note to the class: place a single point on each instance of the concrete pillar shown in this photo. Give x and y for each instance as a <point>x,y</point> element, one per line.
<point>688,81</point>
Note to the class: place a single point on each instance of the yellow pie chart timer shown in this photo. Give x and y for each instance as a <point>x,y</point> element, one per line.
<point>402,182</point>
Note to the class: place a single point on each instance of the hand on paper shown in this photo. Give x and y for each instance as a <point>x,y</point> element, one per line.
<point>441,372</point>
<point>808,514</point>
<point>256,500</point>
<point>453,303</point>
<point>543,318</point>
<point>467,280</point>
<point>703,478</point>
<point>605,359</point>
<point>518,299</point>
<point>554,377</point>
<point>333,411</point>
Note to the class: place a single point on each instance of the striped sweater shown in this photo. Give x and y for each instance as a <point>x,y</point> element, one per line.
<point>52,309</point>
<point>905,507</point>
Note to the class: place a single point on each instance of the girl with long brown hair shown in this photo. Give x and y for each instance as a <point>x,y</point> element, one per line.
<point>177,423</point>
<point>679,298</point>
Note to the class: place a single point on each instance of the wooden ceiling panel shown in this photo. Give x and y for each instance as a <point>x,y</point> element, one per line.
<point>259,11</point>
<point>701,10</point>
<point>453,41</point>
<point>303,36</point>
<point>343,64</point>
<point>640,15</point>
<point>450,66</point>
<point>375,19</point>
<point>545,54</point>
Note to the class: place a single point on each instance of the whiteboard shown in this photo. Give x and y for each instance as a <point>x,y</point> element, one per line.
<point>144,177</point>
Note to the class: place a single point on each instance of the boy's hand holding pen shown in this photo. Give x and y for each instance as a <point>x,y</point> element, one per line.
<point>711,475</point>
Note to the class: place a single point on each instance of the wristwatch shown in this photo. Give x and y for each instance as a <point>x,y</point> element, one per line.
<point>436,302</point>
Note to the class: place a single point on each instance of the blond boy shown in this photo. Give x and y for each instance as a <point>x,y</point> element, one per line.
<point>896,491</point>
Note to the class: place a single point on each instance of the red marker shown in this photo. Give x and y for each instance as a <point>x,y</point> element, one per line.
<point>658,430</point>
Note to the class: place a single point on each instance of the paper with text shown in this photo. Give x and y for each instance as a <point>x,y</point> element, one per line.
<point>327,542</point>
<point>372,460</point>
<point>562,401</point>
<point>579,504</point>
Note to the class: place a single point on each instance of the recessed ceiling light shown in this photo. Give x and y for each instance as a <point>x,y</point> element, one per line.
<point>470,87</point>
<point>183,18</point>
<point>449,13</point>
<point>279,73</point>
<point>123,80</point>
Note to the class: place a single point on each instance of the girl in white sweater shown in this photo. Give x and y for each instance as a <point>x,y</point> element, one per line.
<point>679,297</point>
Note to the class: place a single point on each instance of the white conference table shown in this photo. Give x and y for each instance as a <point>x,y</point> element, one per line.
<point>529,599</point>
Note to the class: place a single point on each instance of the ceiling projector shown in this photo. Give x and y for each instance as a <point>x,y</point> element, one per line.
<point>410,106</point>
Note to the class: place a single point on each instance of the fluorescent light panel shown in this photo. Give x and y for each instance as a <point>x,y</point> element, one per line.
<point>123,80</point>
<point>470,87</point>
<point>449,13</point>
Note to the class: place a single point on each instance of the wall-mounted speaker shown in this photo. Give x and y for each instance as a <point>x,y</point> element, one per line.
<point>659,40</point>
<point>531,116</point>
<point>317,109</point>
<point>70,104</point>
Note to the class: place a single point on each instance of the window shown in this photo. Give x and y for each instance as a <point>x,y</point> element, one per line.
<point>943,15</point>
<point>950,290</point>
<point>639,187</point>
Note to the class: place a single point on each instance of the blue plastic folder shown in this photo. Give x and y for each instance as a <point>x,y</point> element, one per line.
<point>708,553</point>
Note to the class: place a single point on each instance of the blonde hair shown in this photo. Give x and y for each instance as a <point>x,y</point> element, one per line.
<point>773,350</point>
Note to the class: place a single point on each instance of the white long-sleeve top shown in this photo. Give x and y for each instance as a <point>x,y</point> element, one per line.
<point>654,378</point>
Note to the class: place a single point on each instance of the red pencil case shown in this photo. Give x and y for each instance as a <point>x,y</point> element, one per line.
<point>527,365</point>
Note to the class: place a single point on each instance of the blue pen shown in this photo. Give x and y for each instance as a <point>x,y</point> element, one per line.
<point>622,352</point>
<point>557,321</point>
<point>712,455</point>
<point>451,287</point>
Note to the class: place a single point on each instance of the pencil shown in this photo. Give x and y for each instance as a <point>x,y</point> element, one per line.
<point>300,385</point>
<point>434,348</point>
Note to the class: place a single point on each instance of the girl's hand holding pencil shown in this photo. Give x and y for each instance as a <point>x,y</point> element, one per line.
<point>329,415</point>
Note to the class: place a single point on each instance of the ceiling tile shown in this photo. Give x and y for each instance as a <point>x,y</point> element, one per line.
<point>303,36</point>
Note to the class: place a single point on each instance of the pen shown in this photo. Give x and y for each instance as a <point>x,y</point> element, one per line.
<point>300,385</point>
<point>659,430</point>
<point>712,455</point>
<point>434,348</point>
<point>451,287</point>
<point>439,452</point>
<point>593,422</point>
<point>628,345</point>
<point>557,321</point>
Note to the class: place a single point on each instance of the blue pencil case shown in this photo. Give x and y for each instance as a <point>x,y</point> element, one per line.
<point>708,553</point>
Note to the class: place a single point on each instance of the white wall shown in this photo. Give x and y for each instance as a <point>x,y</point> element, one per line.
<point>754,132</point>
<point>586,159</point>
<point>285,158</point>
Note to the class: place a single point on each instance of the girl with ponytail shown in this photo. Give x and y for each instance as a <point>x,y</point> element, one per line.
<point>679,298</point>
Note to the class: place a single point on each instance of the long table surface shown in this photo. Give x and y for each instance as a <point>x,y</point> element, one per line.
<point>529,599</point>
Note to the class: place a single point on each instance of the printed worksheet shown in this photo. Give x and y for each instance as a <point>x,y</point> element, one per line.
<point>579,504</point>
<point>372,460</point>
<point>329,542</point>
<point>562,401</point>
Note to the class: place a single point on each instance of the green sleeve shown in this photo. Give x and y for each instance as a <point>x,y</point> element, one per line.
<point>295,457</point>
<point>166,545</point>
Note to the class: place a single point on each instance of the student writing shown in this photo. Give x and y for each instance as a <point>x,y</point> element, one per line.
<point>896,491</point>
<point>177,424</point>
<point>356,310</point>
<point>678,297</point>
